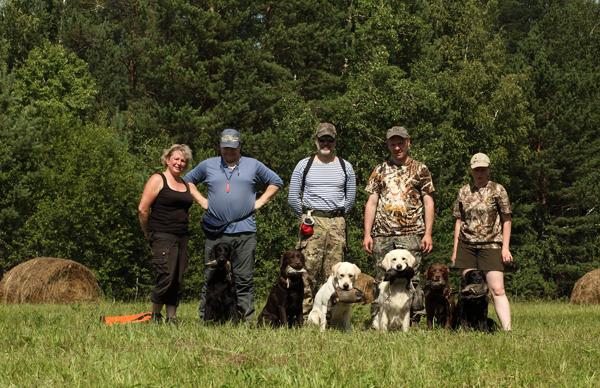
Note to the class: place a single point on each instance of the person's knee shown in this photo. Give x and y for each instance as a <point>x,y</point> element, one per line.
<point>497,291</point>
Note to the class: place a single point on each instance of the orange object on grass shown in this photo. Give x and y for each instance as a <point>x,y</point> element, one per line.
<point>122,319</point>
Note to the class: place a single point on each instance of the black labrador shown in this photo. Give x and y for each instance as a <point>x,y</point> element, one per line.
<point>284,304</point>
<point>221,298</point>
<point>472,308</point>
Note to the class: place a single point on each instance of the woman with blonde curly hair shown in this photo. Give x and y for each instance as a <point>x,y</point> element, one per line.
<point>164,216</point>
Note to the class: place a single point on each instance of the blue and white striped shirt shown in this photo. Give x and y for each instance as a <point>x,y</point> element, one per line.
<point>324,187</point>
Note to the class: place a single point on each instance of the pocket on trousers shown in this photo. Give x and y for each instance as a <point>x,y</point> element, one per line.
<point>160,253</point>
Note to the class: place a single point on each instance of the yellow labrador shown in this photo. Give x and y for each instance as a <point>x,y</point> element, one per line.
<point>395,291</point>
<point>343,276</point>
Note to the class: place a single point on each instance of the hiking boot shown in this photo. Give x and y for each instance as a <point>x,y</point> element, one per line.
<point>172,321</point>
<point>157,318</point>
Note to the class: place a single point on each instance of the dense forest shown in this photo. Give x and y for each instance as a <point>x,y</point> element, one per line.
<point>91,91</point>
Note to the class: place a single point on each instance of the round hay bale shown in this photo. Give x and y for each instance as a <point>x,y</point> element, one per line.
<point>49,280</point>
<point>587,289</point>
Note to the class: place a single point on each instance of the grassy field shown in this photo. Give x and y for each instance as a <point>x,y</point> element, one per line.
<point>552,344</point>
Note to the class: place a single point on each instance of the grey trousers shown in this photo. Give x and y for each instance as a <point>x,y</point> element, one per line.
<point>244,245</point>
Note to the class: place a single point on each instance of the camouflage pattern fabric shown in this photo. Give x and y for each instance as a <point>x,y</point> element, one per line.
<point>400,207</point>
<point>322,250</point>
<point>479,210</point>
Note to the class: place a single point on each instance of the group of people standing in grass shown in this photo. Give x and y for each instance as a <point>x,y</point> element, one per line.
<point>399,213</point>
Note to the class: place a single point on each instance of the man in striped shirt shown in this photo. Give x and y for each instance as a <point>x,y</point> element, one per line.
<point>326,191</point>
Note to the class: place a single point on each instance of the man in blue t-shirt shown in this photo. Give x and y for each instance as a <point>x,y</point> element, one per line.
<point>231,181</point>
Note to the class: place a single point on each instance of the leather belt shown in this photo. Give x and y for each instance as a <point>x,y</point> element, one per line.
<point>326,213</point>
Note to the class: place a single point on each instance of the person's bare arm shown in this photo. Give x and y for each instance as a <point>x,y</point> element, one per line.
<point>270,191</point>
<point>198,197</point>
<point>457,226</point>
<point>370,210</point>
<point>427,241</point>
<point>151,190</point>
<point>506,230</point>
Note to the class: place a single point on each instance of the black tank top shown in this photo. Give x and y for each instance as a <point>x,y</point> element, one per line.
<point>170,210</point>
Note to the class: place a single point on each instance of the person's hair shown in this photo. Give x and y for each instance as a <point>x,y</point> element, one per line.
<point>184,149</point>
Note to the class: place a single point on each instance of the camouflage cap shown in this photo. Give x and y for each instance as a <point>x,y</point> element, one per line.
<point>397,131</point>
<point>480,160</point>
<point>326,129</point>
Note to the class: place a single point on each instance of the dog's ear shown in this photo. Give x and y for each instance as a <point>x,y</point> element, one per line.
<point>232,254</point>
<point>335,268</point>
<point>357,270</point>
<point>446,273</point>
<point>384,263</point>
<point>283,259</point>
<point>212,255</point>
<point>429,272</point>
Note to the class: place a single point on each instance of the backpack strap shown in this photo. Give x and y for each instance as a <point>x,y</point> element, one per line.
<point>345,175</point>
<point>307,168</point>
<point>305,173</point>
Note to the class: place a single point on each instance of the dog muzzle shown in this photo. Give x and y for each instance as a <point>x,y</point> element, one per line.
<point>289,271</point>
<point>353,295</point>
<point>473,291</point>
<point>393,274</point>
<point>435,285</point>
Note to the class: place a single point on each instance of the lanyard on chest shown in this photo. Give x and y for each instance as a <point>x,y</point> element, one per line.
<point>229,175</point>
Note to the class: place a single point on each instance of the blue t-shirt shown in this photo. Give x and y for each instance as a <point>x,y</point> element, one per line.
<point>232,193</point>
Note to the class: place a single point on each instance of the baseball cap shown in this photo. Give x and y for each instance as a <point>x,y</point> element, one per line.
<point>480,160</point>
<point>326,129</point>
<point>397,131</point>
<point>230,138</point>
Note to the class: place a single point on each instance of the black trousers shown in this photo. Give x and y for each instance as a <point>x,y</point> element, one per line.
<point>169,259</point>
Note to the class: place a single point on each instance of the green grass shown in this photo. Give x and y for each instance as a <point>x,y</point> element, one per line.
<point>552,344</point>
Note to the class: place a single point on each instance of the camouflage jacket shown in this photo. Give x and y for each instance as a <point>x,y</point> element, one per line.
<point>400,206</point>
<point>479,210</point>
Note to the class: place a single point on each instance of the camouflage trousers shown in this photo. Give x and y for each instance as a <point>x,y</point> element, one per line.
<point>381,246</point>
<point>322,250</point>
